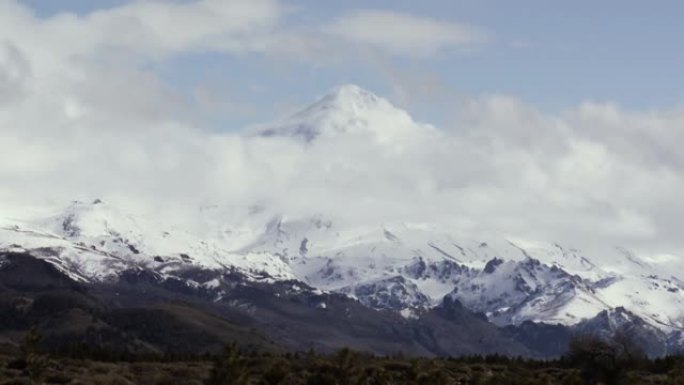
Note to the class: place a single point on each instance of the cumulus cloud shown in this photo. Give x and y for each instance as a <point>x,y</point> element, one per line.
<point>405,34</point>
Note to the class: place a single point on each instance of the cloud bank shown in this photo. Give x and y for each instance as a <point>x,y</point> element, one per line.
<point>82,116</point>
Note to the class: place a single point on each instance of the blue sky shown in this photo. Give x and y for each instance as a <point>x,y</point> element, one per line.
<point>553,55</point>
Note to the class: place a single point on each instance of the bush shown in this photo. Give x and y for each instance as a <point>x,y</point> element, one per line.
<point>229,368</point>
<point>605,361</point>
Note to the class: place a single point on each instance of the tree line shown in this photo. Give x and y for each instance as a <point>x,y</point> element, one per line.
<point>590,360</point>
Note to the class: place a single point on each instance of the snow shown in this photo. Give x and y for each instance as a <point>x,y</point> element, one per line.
<point>400,265</point>
<point>351,111</point>
<point>213,284</point>
<point>408,313</point>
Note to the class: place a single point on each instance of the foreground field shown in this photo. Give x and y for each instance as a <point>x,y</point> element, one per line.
<point>343,368</point>
<point>86,372</point>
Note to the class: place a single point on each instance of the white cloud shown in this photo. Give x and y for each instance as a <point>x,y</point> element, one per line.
<point>405,34</point>
<point>14,71</point>
<point>150,30</point>
<point>80,117</point>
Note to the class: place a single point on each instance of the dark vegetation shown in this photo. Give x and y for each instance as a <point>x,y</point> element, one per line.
<point>590,360</point>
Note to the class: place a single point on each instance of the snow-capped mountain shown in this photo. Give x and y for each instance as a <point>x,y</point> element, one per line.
<point>347,110</point>
<point>393,267</point>
<point>511,292</point>
<point>95,241</point>
<point>400,266</point>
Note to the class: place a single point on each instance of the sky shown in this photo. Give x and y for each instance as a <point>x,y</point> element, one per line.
<point>556,121</point>
<point>617,51</point>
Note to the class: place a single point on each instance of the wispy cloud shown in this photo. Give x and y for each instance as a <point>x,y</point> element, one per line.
<point>405,34</point>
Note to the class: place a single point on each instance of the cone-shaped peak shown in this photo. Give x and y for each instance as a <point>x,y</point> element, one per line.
<point>346,109</point>
<point>348,98</point>
<point>351,96</point>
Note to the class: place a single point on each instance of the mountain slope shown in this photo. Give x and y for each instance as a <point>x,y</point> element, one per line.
<point>143,312</point>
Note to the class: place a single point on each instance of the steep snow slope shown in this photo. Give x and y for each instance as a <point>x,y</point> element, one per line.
<point>511,292</point>
<point>95,241</point>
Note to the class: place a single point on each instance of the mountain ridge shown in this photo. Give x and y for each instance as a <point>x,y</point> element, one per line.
<point>332,259</point>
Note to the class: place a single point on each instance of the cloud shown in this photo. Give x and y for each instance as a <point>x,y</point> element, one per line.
<point>405,34</point>
<point>89,71</point>
<point>83,115</point>
<point>14,70</point>
<point>147,30</point>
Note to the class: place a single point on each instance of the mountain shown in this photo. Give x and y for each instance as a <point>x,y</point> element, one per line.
<point>347,110</point>
<point>653,340</point>
<point>319,281</point>
<point>143,312</point>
